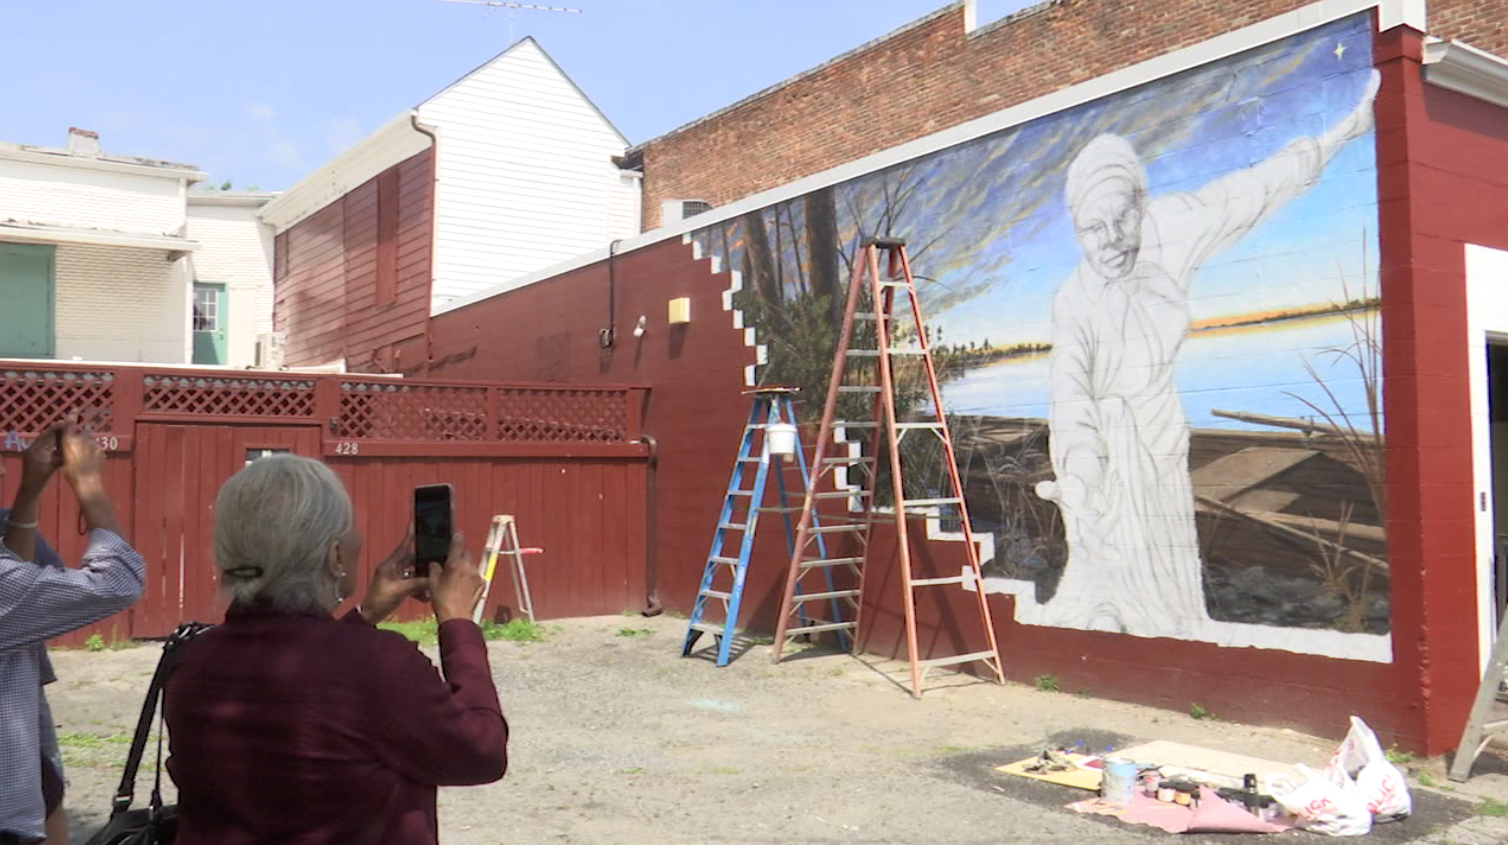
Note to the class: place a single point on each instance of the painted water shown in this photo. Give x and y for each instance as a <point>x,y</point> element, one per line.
<point>1256,369</point>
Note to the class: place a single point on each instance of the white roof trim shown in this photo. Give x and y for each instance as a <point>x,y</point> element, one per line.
<point>18,233</point>
<point>1219,47</point>
<point>395,141</point>
<point>237,200</point>
<point>12,152</point>
<point>1467,70</point>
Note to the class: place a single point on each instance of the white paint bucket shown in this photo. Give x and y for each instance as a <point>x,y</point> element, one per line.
<point>1119,780</point>
<point>782,439</point>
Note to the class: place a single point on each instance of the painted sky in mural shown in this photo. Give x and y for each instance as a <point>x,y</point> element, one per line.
<point>1284,325</point>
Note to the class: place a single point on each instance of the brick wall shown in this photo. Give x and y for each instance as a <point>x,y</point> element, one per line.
<point>932,75</point>
<point>121,304</point>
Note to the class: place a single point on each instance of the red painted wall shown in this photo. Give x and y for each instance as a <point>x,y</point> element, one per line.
<point>696,413</point>
<point>1442,185</point>
<point>353,279</point>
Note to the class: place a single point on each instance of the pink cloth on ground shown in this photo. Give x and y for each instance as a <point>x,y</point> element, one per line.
<point>1214,814</point>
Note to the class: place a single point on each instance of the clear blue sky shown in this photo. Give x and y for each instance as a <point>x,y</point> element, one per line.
<point>262,91</point>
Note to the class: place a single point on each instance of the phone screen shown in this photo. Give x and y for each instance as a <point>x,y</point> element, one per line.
<point>432,525</point>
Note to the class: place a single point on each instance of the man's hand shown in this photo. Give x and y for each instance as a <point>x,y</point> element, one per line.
<point>392,582</point>
<point>84,470</point>
<point>83,462</point>
<point>41,460</point>
<point>456,588</point>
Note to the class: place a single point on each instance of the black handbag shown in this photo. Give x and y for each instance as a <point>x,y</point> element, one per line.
<point>154,824</point>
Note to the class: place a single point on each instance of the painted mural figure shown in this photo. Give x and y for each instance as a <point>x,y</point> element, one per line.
<point>1119,437</point>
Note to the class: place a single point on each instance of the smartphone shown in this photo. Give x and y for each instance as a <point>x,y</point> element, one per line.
<point>434,524</point>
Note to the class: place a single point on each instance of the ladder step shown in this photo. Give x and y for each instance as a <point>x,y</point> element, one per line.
<point>956,659</point>
<point>858,388</point>
<point>730,561</point>
<point>856,424</point>
<point>865,315</point>
<point>813,563</point>
<point>858,460</point>
<point>717,594</point>
<point>908,426</point>
<point>834,594</point>
<point>740,492</point>
<point>778,510</point>
<point>862,353</point>
<point>708,628</point>
<point>933,582</point>
<point>858,493</point>
<point>750,460</point>
<point>733,526</point>
<point>898,283</point>
<point>834,529</point>
<point>953,500</point>
<point>817,629</point>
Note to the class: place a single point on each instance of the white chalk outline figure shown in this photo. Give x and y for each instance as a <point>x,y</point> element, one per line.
<point>1119,437</point>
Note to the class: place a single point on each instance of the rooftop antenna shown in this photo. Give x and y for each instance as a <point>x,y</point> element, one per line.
<point>513,8</point>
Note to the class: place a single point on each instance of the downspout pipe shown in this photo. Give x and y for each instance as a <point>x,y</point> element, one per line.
<point>651,562</point>
<point>434,192</point>
<point>608,336</point>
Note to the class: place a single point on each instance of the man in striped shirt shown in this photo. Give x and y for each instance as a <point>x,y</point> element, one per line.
<point>40,599</point>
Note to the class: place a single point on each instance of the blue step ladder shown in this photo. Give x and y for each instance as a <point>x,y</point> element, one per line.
<point>739,520</point>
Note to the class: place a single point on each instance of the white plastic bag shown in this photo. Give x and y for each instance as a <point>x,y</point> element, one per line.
<point>1361,761</point>
<point>1320,805</point>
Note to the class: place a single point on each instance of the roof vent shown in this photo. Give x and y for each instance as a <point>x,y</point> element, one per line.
<point>674,211</point>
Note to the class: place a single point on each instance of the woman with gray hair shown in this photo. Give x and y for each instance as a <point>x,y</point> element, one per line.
<point>288,725</point>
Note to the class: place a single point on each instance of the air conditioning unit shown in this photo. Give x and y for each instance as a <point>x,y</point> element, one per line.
<point>269,352</point>
<point>674,211</point>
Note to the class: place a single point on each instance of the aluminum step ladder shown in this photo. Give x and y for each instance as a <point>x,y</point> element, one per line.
<point>875,337</point>
<point>722,585</point>
<point>1483,723</point>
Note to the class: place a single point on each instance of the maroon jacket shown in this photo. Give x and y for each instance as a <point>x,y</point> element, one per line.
<point>304,730</point>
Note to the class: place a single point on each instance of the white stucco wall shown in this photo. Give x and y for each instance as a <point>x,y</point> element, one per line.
<point>76,197</point>
<point>121,304</point>
<point>235,249</point>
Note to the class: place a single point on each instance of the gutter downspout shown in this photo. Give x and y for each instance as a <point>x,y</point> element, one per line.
<point>434,193</point>
<point>651,564</point>
<point>608,336</point>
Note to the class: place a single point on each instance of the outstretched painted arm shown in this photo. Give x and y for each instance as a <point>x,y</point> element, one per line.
<point>1198,224</point>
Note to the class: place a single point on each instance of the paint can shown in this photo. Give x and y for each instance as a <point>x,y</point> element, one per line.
<point>1119,780</point>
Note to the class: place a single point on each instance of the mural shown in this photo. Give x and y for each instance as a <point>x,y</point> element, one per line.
<point>1156,323</point>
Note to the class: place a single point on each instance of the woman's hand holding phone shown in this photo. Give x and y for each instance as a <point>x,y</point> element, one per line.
<point>456,587</point>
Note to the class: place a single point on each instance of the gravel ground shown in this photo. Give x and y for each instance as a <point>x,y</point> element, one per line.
<point>617,739</point>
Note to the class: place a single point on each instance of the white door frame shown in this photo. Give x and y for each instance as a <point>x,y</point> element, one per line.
<point>1486,320</point>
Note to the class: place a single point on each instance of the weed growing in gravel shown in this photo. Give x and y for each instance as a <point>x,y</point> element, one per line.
<point>1199,711</point>
<point>426,631</point>
<point>1425,779</point>
<point>636,770</point>
<point>88,740</point>
<point>634,632</point>
<point>1490,807</point>
<point>1047,683</point>
<point>94,643</point>
<point>1399,758</point>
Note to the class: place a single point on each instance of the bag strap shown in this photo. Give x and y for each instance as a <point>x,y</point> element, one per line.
<point>126,793</point>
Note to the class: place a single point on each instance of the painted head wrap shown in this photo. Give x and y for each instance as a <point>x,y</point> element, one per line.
<point>1106,157</point>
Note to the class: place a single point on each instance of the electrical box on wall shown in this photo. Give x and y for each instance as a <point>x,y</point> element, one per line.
<point>680,311</point>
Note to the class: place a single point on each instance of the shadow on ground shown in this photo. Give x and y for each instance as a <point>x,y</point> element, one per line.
<point>1432,812</point>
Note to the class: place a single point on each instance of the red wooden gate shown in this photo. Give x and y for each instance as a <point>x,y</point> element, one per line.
<point>567,461</point>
